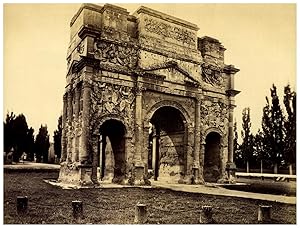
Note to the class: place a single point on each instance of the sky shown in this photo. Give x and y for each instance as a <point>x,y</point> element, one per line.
<point>260,40</point>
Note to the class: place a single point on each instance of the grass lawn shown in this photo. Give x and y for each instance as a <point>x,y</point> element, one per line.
<point>51,205</point>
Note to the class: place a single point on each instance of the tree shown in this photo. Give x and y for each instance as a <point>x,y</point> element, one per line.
<point>238,156</point>
<point>30,144</point>
<point>18,136</point>
<point>57,138</point>
<point>20,129</point>
<point>8,132</point>
<point>259,150</point>
<point>248,139</point>
<point>289,101</point>
<point>272,126</point>
<point>42,145</point>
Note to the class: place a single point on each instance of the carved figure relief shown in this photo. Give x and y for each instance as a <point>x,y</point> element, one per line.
<point>212,74</point>
<point>123,55</point>
<point>166,30</point>
<point>113,99</point>
<point>214,114</point>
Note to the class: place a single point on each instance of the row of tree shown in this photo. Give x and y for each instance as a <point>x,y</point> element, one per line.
<point>275,144</point>
<point>19,139</point>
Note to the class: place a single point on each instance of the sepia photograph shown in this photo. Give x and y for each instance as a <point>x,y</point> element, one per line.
<point>147,113</point>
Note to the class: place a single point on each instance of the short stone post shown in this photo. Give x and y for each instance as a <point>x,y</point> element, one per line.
<point>77,209</point>
<point>140,214</point>
<point>264,213</point>
<point>206,215</point>
<point>22,204</point>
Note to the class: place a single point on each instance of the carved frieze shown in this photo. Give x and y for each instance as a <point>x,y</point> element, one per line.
<point>121,54</point>
<point>166,30</point>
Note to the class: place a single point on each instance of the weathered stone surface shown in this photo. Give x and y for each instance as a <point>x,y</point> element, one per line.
<point>143,94</point>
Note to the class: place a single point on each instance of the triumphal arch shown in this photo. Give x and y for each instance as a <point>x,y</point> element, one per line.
<point>145,100</point>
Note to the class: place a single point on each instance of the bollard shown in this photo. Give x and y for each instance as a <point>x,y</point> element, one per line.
<point>22,204</point>
<point>140,214</point>
<point>264,213</point>
<point>77,209</point>
<point>206,215</point>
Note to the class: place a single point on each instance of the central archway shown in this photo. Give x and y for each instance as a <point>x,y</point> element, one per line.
<point>112,161</point>
<point>167,140</point>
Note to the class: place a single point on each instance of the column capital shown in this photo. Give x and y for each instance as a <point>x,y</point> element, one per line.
<point>230,69</point>
<point>86,84</point>
<point>139,89</point>
<point>69,95</point>
<point>232,92</point>
<point>198,99</point>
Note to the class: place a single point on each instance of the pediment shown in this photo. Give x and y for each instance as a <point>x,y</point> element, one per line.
<point>171,71</point>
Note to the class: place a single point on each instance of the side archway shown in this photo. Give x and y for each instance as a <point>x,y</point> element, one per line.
<point>110,134</point>
<point>212,169</point>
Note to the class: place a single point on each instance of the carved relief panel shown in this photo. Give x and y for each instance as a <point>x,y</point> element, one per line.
<point>212,75</point>
<point>114,100</point>
<point>214,114</point>
<point>120,54</point>
<point>167,30</point>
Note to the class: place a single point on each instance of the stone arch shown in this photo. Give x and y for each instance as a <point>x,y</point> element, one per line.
<point>169,158</point>
<point>111,147</point>
<point>212,129</point>
<point>169,103</point>
<point>213,154</point>
<point>101,120</point>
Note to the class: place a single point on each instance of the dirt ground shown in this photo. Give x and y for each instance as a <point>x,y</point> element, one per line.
<point>52,205</point>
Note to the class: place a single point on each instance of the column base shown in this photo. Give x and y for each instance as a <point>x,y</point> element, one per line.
<point>229,176</point>
<point>187,179</point>
<point>196,178</point>
<point>138,176</point>
<point>75,173</point>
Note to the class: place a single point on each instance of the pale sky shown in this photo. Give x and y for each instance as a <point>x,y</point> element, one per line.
<point>260,40</point>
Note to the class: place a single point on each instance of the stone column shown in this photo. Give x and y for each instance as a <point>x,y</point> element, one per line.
<point>70,107</point>
<point>145,149</point>
<point>196,164</point>
<point>77,108</point>
<point>139,165</point>
<point>128,154</point>
<point>154,153</point>
<point>70,117</point>
<point>83,152</point>
<point>202,157</point>
<point>64,125</point>
<point>77,101</point>
<point>100,156</point>
<point>230,135</point>
<point>231,93</point>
